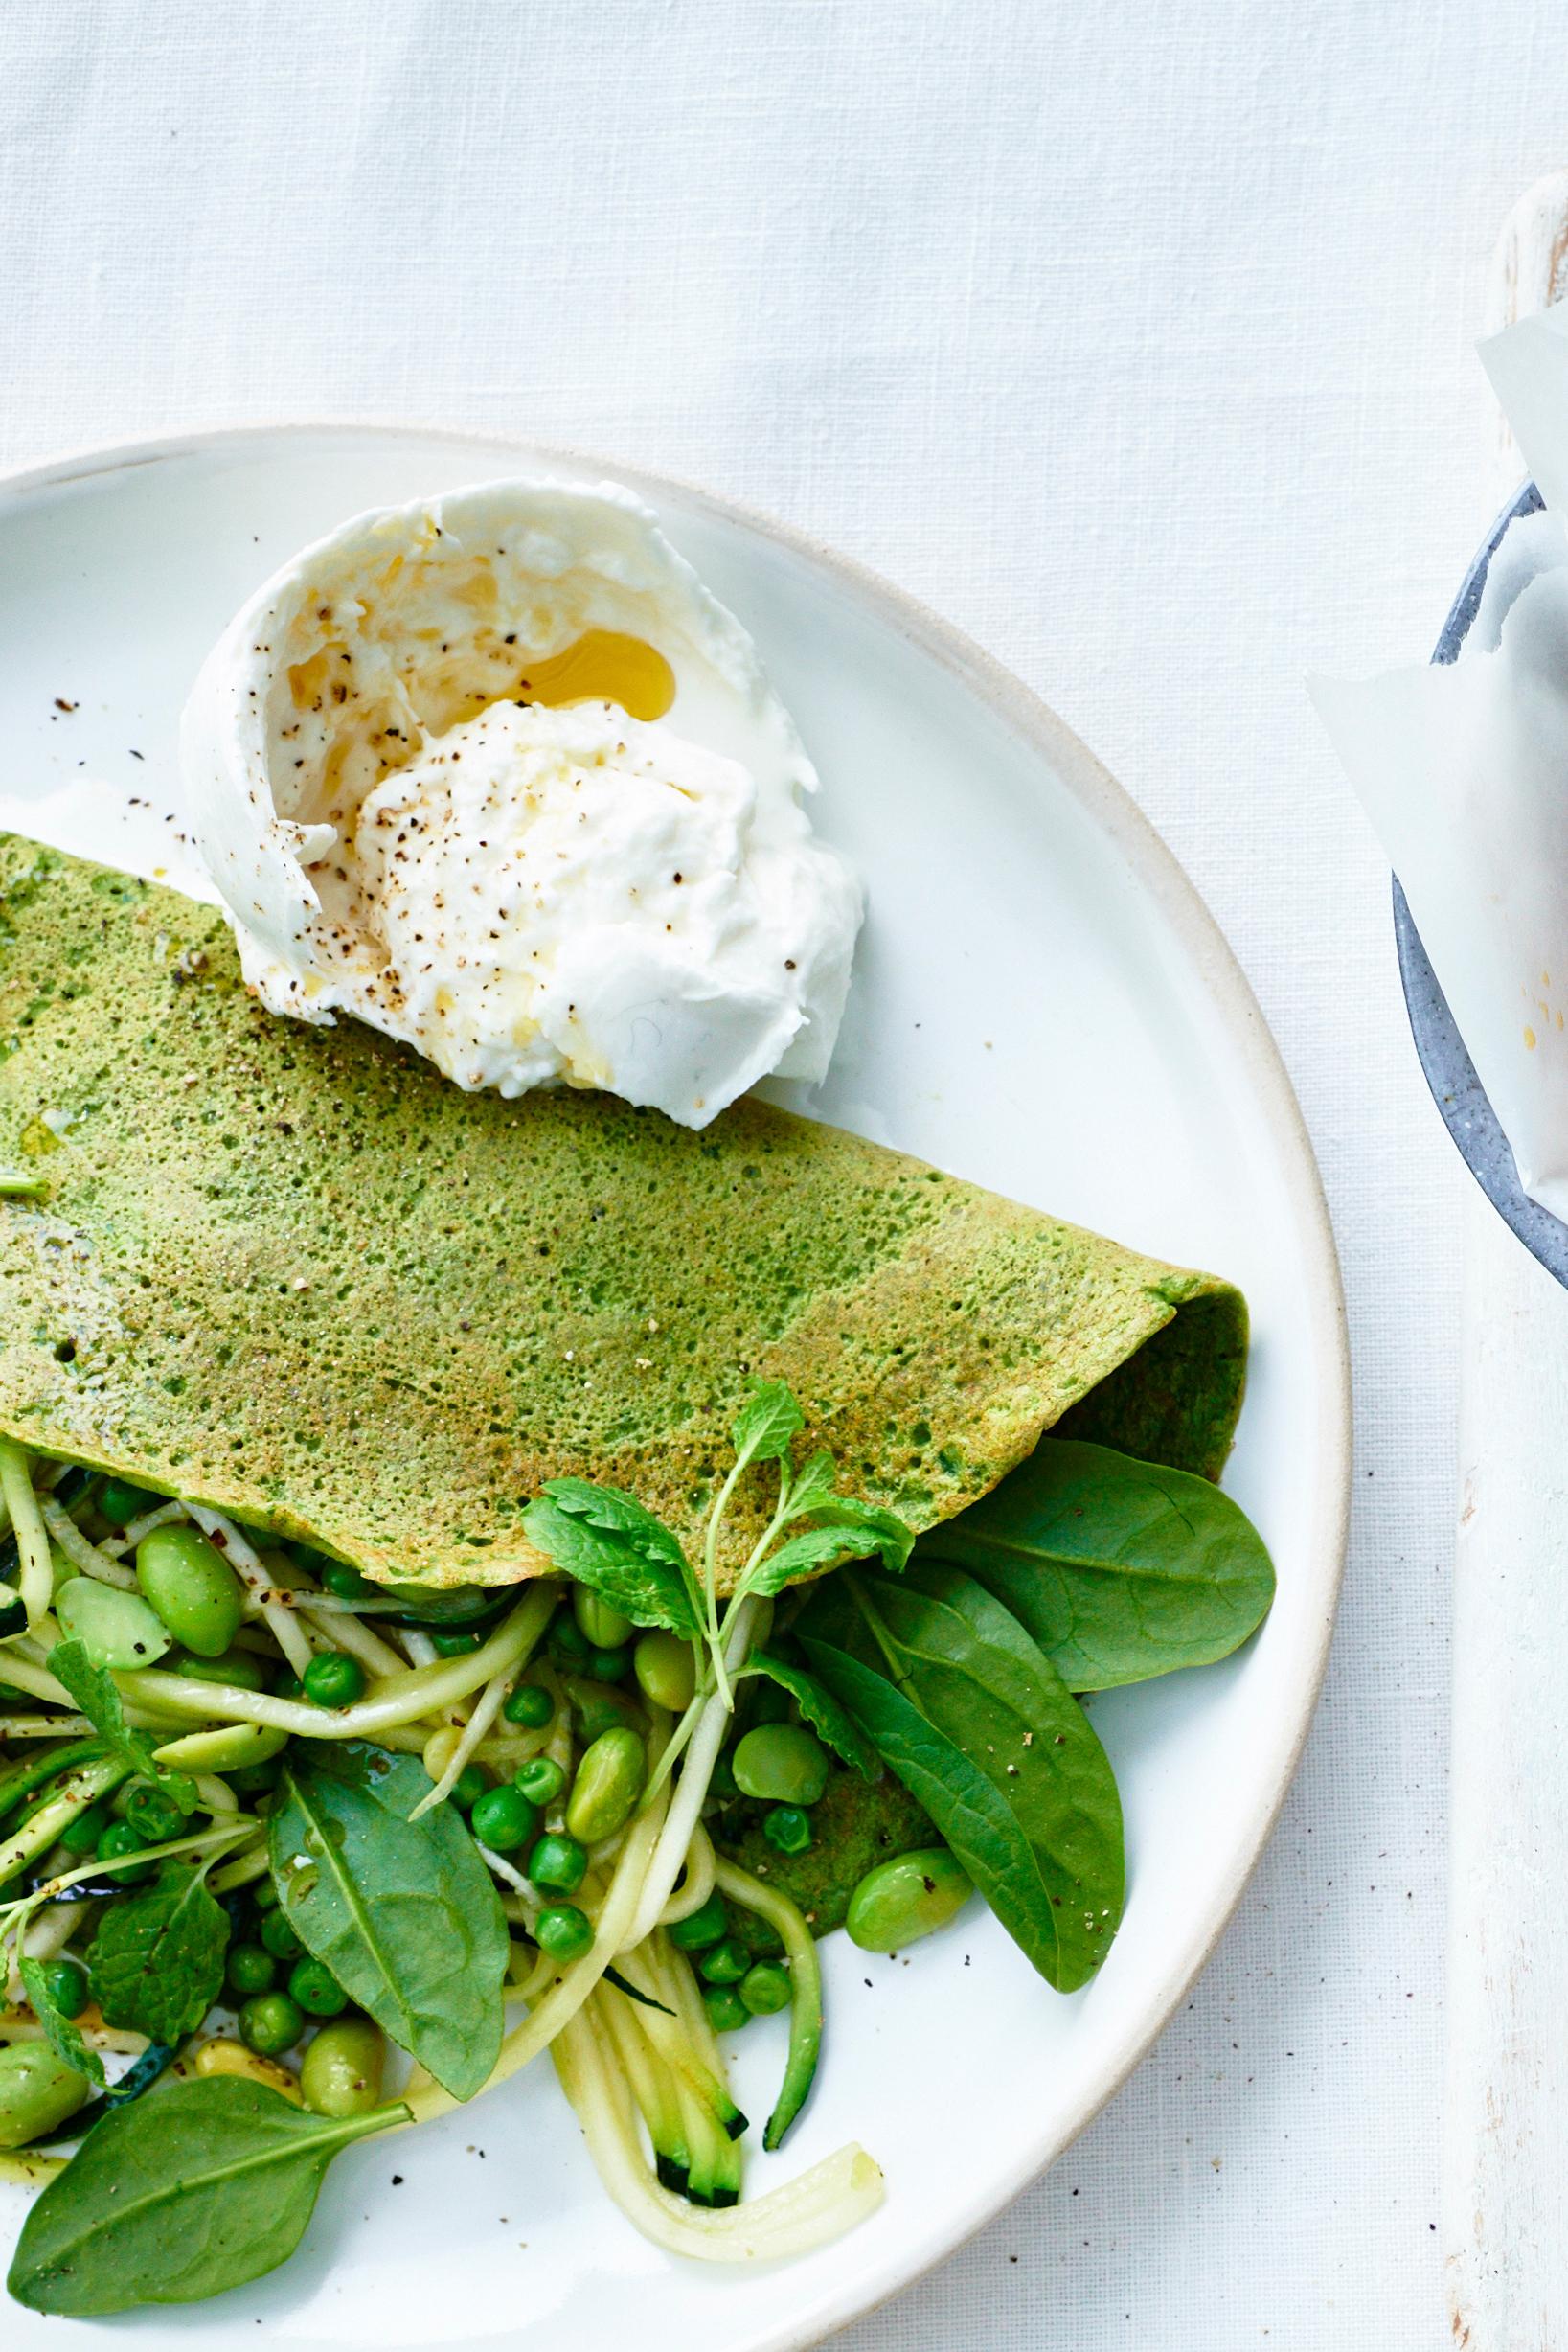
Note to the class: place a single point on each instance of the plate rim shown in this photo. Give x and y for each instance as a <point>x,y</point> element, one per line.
<point>1156,867</point>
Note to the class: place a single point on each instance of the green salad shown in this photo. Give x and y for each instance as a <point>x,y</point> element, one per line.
<point>289,1858</point>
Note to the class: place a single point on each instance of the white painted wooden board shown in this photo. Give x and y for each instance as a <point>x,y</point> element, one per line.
<point>1504,2199</point>
<point>1505,2120</point>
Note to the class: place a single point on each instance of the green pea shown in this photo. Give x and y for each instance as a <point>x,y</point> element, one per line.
<point>65,1981</point>
<point>340,2073</point>
<point>611,1665</point>
<point>442,1604</point>
<point>557,1862</point>
<point>263,1894</point>
<point>724,1963</point>
<point>278,1936</point>
<point>563,1932</point>
<point>453,1642</point>
<point>601,1625</point>
<point>503,1819</point>
<point>191,1586</point>
<point>765,1988</point>
<point>726,2011</point>
<point>271,2023</point>
<point>118,1840</point>
<point>666,1671</point>
<point>115,1628</point>
<point>250,1968</point>
<point>314,1989</point>
<point>120,1503</point>
<point>155,1815</point>
<point>529,1704</point>
<point>787,1828</point>
<point>245,1669</point>
<point>906,1898</point>
<point>567,1642</point>
<point>38,2093</point>
<point>334,1576</point>
<point>598,1706</point>
<point>781,1764</point>
<point>333,1680</point>
<point>84,1832</point>
<point>541,1780</point>
<point>609,1781</point>
<point>469,1786</point>
<point>705,1926</point>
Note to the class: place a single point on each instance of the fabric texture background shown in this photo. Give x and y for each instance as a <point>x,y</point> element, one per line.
<point>1135,337</point>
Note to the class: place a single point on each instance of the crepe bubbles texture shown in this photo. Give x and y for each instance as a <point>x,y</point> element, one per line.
<point>1462,769</point>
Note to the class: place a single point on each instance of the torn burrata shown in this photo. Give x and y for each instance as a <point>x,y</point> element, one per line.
<point>497,774</point>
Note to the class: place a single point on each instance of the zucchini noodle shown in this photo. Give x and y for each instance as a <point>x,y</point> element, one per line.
<point>378,1658</point>
<point>487,1707</point>
<point>628,2022</point>
<point>574,1984</point>
<point>82,1555</point>
<point>811,2210</point>
<point>164,1516</point>
<point>290,1636</point>
<point>400,1700</point>
<point>696,1885</point>
<point>805,1989</point>
<point>35,1587</point>
<point>685,1813</point>
<point>699,2068</point>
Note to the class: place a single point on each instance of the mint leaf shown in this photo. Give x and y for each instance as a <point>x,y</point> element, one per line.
<point>845,1531</point>
<point>830,1721</point>
<point>632,1560</point>
<point>892,1540</point>
<point>156,1963</point>
<point>612,1508</point>
<point>64,2039</point>
<point>814,1548</point>
<point>767,1424</point>
<point>95,1692</point>
<point>812,1485</point>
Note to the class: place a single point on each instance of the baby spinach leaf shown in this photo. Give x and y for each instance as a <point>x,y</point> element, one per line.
<point>606,1539</point>
<point>64,2038</point>
<point>404,1913</point>
<point>97,1694</point>
<point>985,1734</point>
<point>172,2199</point>
<point>156,1963</point>
<point>831,1722</point>
<point>1119,1569</point>
<point>767,1424</point>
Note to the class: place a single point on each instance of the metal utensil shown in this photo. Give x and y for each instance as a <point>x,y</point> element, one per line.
<point>1505,2125</point>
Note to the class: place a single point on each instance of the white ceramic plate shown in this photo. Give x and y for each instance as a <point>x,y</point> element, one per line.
<point>1041,1003</point>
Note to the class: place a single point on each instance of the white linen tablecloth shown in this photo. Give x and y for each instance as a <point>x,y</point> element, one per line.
<point>1135,337</point>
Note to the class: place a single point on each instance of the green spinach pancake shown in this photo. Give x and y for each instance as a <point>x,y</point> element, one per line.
<point>296,1274</point>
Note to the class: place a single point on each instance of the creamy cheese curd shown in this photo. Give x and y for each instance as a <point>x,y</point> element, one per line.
<point>496,775</point>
